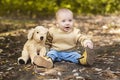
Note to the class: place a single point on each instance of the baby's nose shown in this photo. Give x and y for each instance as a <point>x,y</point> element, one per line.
<point>67,23</point>
<point>41,38</point>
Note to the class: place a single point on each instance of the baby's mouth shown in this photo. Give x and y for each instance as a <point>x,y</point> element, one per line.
<point>67,27</point>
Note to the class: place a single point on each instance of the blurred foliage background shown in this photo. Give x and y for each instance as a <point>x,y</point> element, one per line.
<point>39,8</point>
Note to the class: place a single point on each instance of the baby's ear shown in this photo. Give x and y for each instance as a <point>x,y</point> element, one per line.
<point>30,33</point>
<point>56,23</point>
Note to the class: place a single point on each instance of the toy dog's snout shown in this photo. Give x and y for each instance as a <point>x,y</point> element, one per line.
<point>41,38</point>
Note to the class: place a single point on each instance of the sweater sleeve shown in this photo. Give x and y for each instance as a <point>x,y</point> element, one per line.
<point>81,38</point>
<point>49,39</point>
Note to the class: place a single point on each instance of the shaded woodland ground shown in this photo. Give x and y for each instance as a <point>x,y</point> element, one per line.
<point>104,30</point>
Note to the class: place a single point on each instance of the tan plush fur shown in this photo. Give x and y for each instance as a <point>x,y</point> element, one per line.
<point>35,45</point>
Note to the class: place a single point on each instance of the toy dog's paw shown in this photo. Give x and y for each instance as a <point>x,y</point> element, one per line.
<point>21,61</point>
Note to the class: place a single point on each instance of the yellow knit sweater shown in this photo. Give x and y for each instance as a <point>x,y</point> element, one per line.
<point>65,41</point>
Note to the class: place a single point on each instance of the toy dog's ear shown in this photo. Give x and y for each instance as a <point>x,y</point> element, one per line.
<point>46,29</point>
<point>30,33</point>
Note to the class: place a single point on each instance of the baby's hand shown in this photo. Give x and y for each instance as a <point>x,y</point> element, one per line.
<point>88,43</point>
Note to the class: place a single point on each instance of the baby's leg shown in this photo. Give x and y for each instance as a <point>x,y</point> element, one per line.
<point>53,54</point>
<point>88,57</point>
<point>72,56</point>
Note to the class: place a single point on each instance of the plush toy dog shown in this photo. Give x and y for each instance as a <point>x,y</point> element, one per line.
<point>35,45</point>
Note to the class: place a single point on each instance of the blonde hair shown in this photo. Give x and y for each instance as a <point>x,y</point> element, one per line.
<point>65,10</point>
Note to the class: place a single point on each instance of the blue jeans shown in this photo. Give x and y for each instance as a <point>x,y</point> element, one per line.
<point>71,56</point>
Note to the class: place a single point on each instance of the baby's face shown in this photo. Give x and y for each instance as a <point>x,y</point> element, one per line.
<point>65,21</point>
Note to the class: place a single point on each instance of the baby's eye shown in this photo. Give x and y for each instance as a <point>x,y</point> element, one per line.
<point>63,20</point>
<point>70,20</point>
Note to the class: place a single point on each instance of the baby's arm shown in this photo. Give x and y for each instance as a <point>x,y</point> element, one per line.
<point>48,40</point>
<point>85,41</point>
<point>88,43</point>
